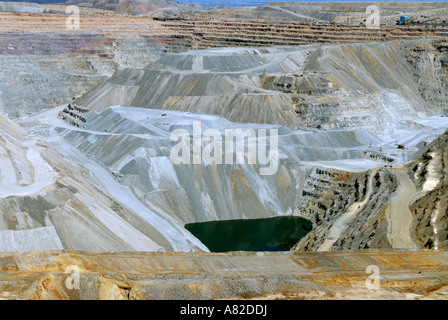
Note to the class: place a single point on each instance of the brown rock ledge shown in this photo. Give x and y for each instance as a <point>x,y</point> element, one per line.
<point>236,275</point>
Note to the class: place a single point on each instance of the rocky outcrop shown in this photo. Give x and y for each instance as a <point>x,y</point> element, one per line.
<point>382,219</point>
<point>348,214</point>
<point>430,204</point>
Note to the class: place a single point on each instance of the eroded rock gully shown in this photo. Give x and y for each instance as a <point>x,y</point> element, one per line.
<point>412,197</point>
<point>430,203</point>
<point>349,215</point>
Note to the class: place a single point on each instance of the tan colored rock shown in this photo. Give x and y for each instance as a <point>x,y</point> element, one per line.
<point>238,275</point>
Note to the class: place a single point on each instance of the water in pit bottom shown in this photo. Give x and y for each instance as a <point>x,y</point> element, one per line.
<point>269,234</point>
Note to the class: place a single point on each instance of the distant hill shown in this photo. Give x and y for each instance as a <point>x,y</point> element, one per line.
<point>126,6</point>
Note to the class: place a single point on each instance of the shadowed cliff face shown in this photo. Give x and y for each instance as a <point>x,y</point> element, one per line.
<point>44,70</point>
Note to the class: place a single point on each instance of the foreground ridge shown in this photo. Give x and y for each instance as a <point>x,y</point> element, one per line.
<point>235,275</point>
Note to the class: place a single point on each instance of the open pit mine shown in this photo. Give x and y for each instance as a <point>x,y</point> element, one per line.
<point>160,150</point>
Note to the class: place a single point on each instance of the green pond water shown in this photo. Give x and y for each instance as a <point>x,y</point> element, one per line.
<point>270,234</point>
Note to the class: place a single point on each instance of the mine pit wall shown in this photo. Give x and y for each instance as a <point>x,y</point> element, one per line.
<point>207,34</point>
<point>413,78</point>
<point>200,193</point>
<point>370,227</point>
<point>44,70</point>
<point>62,215</point>
<point>319,195</point>
<point>29,84</point>
<point>429,62</point>
<point>91,68</point>
<point>347,13</point>
<point>192,193</point>
<point>316,95</point>
<point>326,200</point>
<point>86,60</point>
<point>429,207</point>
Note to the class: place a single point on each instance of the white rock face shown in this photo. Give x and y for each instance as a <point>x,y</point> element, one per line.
<point>134,143</point>
<point>50,202</point>
<point>110,184</point>
<point>369,86</point>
